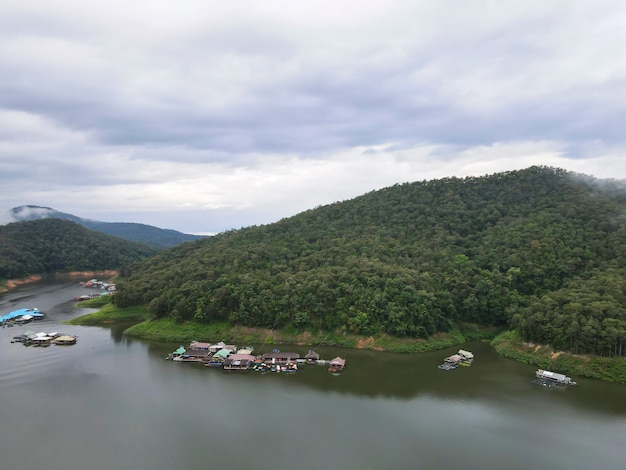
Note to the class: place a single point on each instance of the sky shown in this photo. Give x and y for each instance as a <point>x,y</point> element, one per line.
<point>203,116</point>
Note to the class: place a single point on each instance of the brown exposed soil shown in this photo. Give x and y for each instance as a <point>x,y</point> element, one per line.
<point>16,282</point>
<point>11,283</point>
<point>106,273</point>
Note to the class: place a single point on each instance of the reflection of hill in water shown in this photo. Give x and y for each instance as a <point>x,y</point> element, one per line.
<point>376,374</point>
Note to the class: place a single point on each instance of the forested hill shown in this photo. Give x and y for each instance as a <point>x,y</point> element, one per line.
<point>48,245</point>
<point>542,250</point>
<point>158,237</point>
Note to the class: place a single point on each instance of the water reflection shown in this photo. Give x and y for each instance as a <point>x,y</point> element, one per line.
<point>113,402</point>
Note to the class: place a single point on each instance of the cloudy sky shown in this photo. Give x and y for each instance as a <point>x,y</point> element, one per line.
<point>204,115</point>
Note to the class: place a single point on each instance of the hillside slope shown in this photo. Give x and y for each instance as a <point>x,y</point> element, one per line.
<point>415,259</point>
<point>48,245</point>
<point>159,237</point>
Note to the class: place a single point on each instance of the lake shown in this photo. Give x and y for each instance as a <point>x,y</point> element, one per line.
<point>113,402</point>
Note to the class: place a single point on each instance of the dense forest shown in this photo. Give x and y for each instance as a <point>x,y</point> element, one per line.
<point>49,245</point>
<point>541,250</point>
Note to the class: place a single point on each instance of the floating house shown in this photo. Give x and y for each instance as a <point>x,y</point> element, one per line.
<point>462,357</point>
<point>312,357</point>
<point>277,357</point>
<point>65,340</point>
<point>221,345</point>
<point>466,355</point>
<point>546,377</point>
<point>239,361</point>
<point>454,359</point>
<point>194,355</point>
<point>16,315</point>
<point>337,364</point>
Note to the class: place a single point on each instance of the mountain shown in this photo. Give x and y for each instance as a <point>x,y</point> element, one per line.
<point>541,250</point>
<point>162,238</point>
<point>57,245</point>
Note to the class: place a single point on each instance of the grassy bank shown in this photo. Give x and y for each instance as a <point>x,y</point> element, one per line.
<point>509,344</point>
<point>165,329</point>
<point>109,314</point>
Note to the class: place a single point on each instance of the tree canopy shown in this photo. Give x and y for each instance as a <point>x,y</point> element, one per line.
<point>48,245</point>
<point>542,250</point>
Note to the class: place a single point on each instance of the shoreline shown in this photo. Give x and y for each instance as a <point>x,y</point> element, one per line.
<point>505,343</point>
<point>11,283</point>
<point>610,369</point>
<point>8,284</point>
<point>167,330</point>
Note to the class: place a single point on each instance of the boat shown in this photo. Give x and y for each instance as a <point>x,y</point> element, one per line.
<point>214,363</point>
<point>337,364</point>
<point>549,378</point>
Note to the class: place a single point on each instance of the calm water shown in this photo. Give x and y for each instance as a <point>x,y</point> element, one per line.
<point>111,402</point>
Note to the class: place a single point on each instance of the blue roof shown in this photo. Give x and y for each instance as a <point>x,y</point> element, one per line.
<point>21,312</point>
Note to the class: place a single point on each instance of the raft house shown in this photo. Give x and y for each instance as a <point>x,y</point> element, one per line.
<point>461,358</point>
<point>228,357</point>
<point>547,378</point>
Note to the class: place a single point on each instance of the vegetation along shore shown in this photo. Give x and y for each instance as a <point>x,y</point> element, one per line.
<point>540,252</point>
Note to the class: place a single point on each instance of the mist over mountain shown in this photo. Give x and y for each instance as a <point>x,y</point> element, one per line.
<point>158,237</point>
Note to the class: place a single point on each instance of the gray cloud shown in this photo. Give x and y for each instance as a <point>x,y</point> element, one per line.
<point>150,98</point>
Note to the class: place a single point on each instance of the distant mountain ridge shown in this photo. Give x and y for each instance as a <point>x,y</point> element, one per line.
<point>53,244</point>
<point>158,237</point>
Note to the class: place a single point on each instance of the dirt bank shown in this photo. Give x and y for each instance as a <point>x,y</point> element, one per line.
<point>11,283</point>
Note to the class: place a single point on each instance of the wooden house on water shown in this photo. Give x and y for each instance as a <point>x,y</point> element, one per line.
<point>337,364</point>
<point>194,355</point>
<point>312,357</point>
<point>277,357</point>
<point>239,361</point>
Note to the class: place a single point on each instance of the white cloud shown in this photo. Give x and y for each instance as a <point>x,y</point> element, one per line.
<point>264,109</point>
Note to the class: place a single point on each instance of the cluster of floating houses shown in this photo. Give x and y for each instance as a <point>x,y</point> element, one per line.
<point>545,378</point>
<point>30,338</point>
<point>94,283</point>
<point>462,358</point>
<point>107,287</point>
<point>229,357</point>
